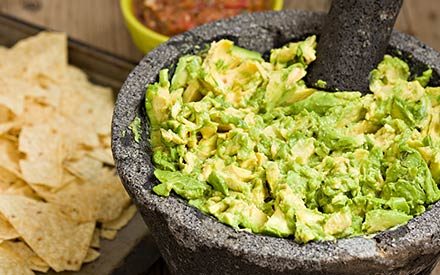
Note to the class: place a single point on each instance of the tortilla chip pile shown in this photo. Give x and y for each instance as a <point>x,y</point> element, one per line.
<point>58,189</point>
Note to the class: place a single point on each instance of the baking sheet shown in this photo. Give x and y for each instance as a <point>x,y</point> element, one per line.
<point>133,251</point>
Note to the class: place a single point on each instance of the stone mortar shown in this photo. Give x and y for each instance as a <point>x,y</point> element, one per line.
<point>194,243</point>
<point>354,40</point>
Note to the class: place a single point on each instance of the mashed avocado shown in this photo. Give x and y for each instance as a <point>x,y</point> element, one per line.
<point>248,142</point>
<point>136,129</point>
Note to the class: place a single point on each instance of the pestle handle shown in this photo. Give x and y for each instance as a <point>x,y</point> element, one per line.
<point>353,40</point>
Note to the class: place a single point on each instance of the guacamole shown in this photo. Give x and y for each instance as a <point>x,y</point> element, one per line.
<point>246,141</point>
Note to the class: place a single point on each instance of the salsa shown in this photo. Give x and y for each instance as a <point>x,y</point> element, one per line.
<point>170,17</point>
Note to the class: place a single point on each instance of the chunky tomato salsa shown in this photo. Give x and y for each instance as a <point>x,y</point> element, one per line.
<point>171,17</point>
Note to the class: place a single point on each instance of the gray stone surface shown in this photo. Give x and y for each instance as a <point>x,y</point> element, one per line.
<point>353,41</point>
<point>193,243</point>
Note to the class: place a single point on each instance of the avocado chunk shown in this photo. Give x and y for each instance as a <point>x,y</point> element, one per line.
<point>218,183</point>
<point>136,128</point>
<point>183,185</point>
<point>279,225</point>
<point>380,219</point>
<point>246,54</point>
<point>157,100</point>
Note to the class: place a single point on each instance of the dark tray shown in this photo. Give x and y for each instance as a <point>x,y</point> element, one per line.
<point>133,251</point>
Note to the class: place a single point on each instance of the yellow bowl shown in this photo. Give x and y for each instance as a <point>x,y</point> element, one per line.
<point>146,39</point>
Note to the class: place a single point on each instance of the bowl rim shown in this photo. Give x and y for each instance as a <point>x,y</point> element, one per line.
<point>134,168</point>
<point>128,13</point>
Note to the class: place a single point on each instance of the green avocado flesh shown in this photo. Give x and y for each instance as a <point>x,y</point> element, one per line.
<point>246,141</point>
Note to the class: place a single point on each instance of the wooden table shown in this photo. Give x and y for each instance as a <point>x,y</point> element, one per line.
<point>99,22</point>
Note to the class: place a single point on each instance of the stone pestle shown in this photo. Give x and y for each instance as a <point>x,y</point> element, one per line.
<point>353,40</point>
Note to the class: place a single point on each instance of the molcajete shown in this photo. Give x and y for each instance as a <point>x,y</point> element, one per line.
<point>193,243</point>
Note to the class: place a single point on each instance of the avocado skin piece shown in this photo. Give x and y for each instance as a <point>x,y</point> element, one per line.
<point>246,141</point>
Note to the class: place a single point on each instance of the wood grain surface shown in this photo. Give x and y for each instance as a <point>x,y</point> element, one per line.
<point>97,22</point>
<point>100,23</point>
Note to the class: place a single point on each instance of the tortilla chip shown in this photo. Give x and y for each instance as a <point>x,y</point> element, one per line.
<point>34,113</point>
<point>7,178</point>
<point>92,255</point>
<point>75,75</point>
<point>73,200</point>
<point>12,92</point>
<point>43,163</point>
<point>96,242</point>
<point>106,141</point>
<point>102,198</point>
<point>75,135</point>
<point>72,134</point>
<point>86,168</point>
<point>108,234</point>
<point>103,155</point>
<point>122,220</point>
<point>5,114</point>
<point>5,127</point>
<point>22,189</point>
<point>27,255</point>
<point>9,155</point>
<point>55,180</point>
<point>43,54</point>
<point>102,117</point>
<point>88,105</point>
<point>58,240</point>
<point>67,177</point>
<point>45,191</point>
<point>114,199</point>
<point>45,91</point>
<point>7,232</point>
<point>11,264</point>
